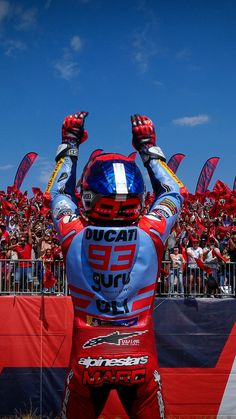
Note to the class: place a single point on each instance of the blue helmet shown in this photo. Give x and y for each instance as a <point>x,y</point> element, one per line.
<point>112,188</point>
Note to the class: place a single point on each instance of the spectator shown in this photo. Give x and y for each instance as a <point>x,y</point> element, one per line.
<point>12,255</point>
<point>176,272</point>
<point>23,278</point>
<point>184,244</point>
<point>211,260</point>
<point>194,273</point>
<point>183,234</point>
<point>48,277</point>
<point>225,273</point>
<point>59,265</point>
<point>171,242</point>
<point>46,243</point>
<point>12,224</point>
<point>224,242</point>
<point>232,255</point>
<point>232,247</point>
<point>3,233</point>
<point>4,265</point>
<point>226,220</point>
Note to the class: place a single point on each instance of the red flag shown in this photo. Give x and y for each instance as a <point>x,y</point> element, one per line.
<point>11,189</point>
<point>49,279</point>
<point>216,252</point>
<point>175,161</point>
<point>36,191</point>
<point>206,174</point>
<point>231,207</point>
<point>224,229</point>
<point>7,207</point>
<point>31,210</point>
<point>202,266</point>
<point>164,272</point>
<point>45,211</point>
<point>184,253</point>
<point>200,227</point>
<point>23,168</point>
<point>23,200</point>
<point>221,188</point>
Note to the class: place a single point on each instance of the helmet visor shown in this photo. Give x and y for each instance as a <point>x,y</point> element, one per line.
<point>115,208</point>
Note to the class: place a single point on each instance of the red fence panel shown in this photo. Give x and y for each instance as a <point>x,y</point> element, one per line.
<point>196,343</point>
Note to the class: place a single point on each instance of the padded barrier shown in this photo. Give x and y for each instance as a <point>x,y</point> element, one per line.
<point>196,342</point>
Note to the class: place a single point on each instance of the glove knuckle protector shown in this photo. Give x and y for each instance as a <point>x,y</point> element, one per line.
<point>73,128</point>
<point>144,138</point>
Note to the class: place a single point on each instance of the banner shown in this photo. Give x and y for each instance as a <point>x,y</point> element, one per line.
<point>175,161</point>
<point>234,186</point>
<point>206,174</point>
<point>23,168</point>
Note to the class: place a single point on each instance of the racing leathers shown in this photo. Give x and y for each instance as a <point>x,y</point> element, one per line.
<point>112,273</point>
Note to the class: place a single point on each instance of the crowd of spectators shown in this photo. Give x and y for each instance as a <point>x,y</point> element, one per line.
<point>204,235</point>
<point>20,214</point>
<point>26,233</point>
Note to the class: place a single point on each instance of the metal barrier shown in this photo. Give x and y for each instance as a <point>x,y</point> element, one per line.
<point>28,277</point>
<point>194,282</point>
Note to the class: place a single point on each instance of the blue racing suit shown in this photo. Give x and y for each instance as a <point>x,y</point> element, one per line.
<point>112,273</point>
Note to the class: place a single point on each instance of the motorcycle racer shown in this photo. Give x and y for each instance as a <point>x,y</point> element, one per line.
<point>112,254</point>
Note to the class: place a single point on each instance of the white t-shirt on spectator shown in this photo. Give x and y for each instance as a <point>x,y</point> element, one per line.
<point>210,259</point>
<point>192,254</point>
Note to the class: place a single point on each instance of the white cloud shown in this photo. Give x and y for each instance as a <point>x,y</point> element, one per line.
<point>48,4</point>
<point>45,168</point>
<point>191,121</point>
<point>159,84</point>
<point>26,18</point>
<point>20,19</point>
<point>67,68</point>
<point>142,60</point>
<point>143,50</point>
<point>11,46</point>
<point>6,167</point>
<point>23,19</point>
<point>4,9</point>
<point>183,54</point>
<point>76,43</point>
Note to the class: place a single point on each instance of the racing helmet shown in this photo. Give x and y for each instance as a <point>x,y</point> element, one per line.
<point>111,188</point>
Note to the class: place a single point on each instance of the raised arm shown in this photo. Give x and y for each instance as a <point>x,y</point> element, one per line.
<point>30,240</point>
<point>62,184</point>
<point>166,186</point>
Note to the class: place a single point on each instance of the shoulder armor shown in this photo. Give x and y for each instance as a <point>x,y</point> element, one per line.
<point>154,221</point>
<point>69,224</point>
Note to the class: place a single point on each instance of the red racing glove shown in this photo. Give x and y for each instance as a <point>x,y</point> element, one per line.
<point>143,131</point>
<point>73,128</point>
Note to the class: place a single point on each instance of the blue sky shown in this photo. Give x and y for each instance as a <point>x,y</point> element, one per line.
<point>171,60</point>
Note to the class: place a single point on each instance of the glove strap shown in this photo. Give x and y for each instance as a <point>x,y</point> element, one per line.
<point>66,150</point>
<point>150,153</point>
